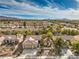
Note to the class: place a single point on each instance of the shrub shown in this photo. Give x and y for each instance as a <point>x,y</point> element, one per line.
<point>75,48</point>
<point>70,31</point>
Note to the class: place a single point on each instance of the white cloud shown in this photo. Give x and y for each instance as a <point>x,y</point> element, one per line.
<point>25,8</point>
<point>77,0</point>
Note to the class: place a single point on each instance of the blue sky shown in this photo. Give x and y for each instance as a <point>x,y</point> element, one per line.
<point>40,9</point>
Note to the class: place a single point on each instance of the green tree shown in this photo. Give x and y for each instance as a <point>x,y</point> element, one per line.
<point>59,44</point>
<point>45,42</point>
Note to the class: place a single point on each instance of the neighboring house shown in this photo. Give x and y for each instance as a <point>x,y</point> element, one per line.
<point>68,37</point>
<point>8,39</point>
<point>31,41</point>
<point>76,37</point>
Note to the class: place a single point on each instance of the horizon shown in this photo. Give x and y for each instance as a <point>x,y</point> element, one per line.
<point>40,9</point>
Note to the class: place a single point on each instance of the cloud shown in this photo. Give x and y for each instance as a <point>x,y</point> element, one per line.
<point>27,10</point>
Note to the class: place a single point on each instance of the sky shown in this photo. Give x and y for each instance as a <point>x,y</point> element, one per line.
<point>40,9</point>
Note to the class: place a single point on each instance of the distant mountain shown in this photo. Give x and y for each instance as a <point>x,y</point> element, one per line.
<point>8,18</point>
<point>14,18</point>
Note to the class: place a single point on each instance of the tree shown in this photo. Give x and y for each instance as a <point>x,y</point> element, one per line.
<point>59,44</point>
<point>46,41</point>
<point>24,24</point>
<point>49,41</point>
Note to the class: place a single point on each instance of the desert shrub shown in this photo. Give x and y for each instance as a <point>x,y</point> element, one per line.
<point>75,48</point>
<point>70,31</point>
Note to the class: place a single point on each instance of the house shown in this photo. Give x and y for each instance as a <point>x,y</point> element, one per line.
<point>31,41</point>
<point>1,39</point>
<point>8,39</point>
